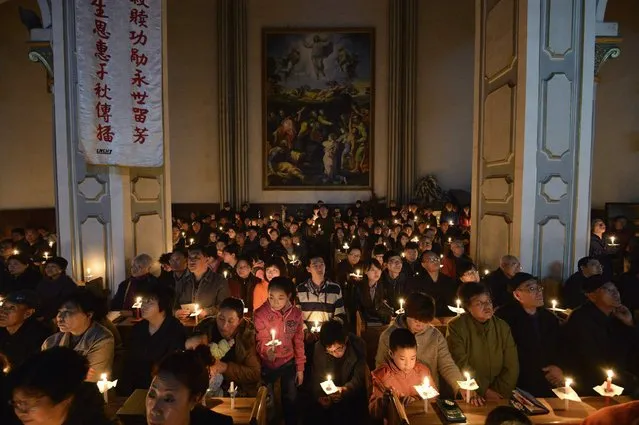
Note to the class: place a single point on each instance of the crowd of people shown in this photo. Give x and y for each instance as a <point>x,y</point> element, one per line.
<point>356,298</point>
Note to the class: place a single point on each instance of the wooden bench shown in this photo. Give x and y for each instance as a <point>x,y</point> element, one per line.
<point>258,413</point>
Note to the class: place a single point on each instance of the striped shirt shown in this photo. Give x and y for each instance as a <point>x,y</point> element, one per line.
<point>320,304</point>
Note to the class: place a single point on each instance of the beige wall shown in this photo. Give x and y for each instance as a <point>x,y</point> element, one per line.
<point>192,68</point>
<point>615,176</point>
<point>445,92</point>
<point>26,147</point>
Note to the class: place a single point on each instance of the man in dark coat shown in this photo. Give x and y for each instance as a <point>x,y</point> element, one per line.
<point>499,280</point>
<point>573,294</point>
<point>536,333</point>
<point>434,283</point>
<point>342,356</point>
<point>53,289</point>
<point>601,335</point>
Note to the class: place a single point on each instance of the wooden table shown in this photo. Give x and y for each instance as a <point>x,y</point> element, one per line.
<point>576,413</point>
<point>133,411</point>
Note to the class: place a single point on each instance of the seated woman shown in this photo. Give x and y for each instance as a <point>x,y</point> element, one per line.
<point>50,389</point>
<point>240,363</point>
<point>152,339</point>
<point>370,301</point>
<point>482,344</point>
<point>80,330</point>
<point>22,274</point>
<point>175,395</point>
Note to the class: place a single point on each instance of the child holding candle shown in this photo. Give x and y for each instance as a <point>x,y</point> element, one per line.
<point>400,373</point>
<point>284,361</point>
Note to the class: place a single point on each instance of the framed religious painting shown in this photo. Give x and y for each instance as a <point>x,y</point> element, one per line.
<point>318,92</point>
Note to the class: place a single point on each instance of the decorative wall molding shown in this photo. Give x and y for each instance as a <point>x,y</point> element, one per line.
<point>606,48</point>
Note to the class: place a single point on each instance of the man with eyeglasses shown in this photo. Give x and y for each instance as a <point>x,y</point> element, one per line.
<point>536,333</point>
<point>499,280</point>
<point>342,355</point>
<point>434,283</point>
<point>393,280</point>
<point>21,335</point>
<point>601,335</point>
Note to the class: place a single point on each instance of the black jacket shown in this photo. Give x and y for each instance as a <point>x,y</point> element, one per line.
<point>125,296</point>
<point>145,350</point>
<point>51,293</point>
<point>572,293</point>
<point>498,283</point>
<point>538,338</point>
<point>444,291</point>
<point>372,310</point>
<point>593,342</point>
<point>26,341</point>
<point>27,280</point>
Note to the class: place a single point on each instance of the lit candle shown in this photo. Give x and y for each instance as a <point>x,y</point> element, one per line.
<point>221,228</point>
<point>345,246</point>
<point>566,392</point>
<point>612,240</point>
<point>609,381</point>
<point>486,272</point>
<point>16,252</point>
<point>428,226</point>
<point>232,392</point>
<point>50,244</point>
<point>441,255</point>
<point>554,304</point>
<point>46,256</point>
<point>458,302</point>
<point>104,387</point>
<point>273,335</point>
<point>426,386</point>
<point>358,273</point>
<point>450,222</point>
<point>197,314</point>
<point>401,304</point>
<point>467,376</point>
<point>225,273</point>
<point>450,240</point>
<point>192,241</point>
<point>183,234</point>
<point>88,275</point>
<point>270,217</point>
<point>138,304</point>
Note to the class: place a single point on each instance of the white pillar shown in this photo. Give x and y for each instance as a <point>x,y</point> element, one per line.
<point>106,215</point>
<point>533,131</point>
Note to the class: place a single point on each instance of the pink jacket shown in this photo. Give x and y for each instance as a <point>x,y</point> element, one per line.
<point>289,328</point>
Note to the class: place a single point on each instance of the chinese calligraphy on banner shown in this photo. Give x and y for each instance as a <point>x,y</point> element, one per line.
<point>119,59</point>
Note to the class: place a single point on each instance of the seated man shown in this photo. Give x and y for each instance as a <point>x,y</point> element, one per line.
<point>410,266</point>
<point>202,286</point>
<point>482,344</point>
<point>21,335</point>
<point>128,290</point>
<point>432,349</point>
<point>498,281</point>
<point>536,333</point>
<point>601,335</point>
<point>240,364</point>
<point>342,356</point>
<point>393,279</point>
<point>573,294</point>
<point>400,373</point>
<point>436,284</point>
<point>455,259</point>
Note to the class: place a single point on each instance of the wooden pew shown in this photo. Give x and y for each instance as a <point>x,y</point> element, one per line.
<point>258,414</point>
<point>396,414</point>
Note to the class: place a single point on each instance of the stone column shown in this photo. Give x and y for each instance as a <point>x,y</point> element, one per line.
<point>105,215</point>
<point>232,86</point>
<point>401,98</point>
<point>533,131</point>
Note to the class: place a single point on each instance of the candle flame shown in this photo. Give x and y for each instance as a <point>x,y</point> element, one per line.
<point>138,299</point>
<point>467,376</point>
<point>568,382</point>
<point>88,270</point>
<point>486,271</point>
<point>554,303</point>
<point>103,377</point>
<point>426,382</point>
<point>273,333</point>
<point>328,377</point>
<point>610,373</point>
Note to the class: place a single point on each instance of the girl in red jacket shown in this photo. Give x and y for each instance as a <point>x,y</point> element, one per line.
<point>280,344</point>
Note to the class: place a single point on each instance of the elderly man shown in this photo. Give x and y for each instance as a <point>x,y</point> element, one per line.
<point>536,333</point>
<point>141,275</point>
<point>601,335</point>
<point>434,283</point>
<point>499,280</point>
